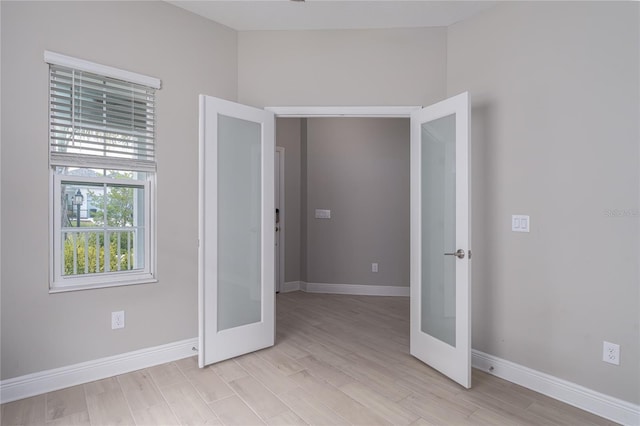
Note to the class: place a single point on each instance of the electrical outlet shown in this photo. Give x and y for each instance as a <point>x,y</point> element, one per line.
<point>611,353</point>
<point>374,267</point>
<point>117,320</point>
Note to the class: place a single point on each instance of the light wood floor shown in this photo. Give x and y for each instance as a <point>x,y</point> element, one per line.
<point>338,360</point>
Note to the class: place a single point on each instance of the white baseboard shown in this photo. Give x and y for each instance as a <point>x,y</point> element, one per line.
<point>355,289</point>
<point>290,286</point>
<point>60,378</point>
<point>589,400</point>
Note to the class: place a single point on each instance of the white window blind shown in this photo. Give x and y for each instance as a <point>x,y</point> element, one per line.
<point>97,121</point>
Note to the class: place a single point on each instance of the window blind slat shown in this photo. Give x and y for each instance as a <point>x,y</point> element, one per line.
<point>98,121</point>
<point>101,116</point>
<point>66,142</point>
<point>93,114</point>
<point>64,133</point>
<point>63,159</point>
<point>113,153</point>
<point>65,146</point>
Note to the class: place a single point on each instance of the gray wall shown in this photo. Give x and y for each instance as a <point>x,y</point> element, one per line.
<point>191,55</point>
<point>359,169</point>
<point>351,67</point>
<point>555,90</point>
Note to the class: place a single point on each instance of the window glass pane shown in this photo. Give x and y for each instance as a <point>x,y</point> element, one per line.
<point>80,204</point>
<point>103,227</point>
<point>92,172</point>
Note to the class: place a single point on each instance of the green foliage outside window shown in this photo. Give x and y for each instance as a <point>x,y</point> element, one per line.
<point>76,242</point>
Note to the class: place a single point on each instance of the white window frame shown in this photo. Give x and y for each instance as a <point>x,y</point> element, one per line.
<point>62,282</point>
<point>58,282</point>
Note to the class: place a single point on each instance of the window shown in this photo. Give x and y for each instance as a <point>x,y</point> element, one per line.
<point>102,161</point>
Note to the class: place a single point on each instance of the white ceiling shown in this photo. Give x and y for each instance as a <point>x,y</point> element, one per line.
<point>243,15</point>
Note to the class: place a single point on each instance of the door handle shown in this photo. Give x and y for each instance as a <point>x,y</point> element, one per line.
<point>459,254</point>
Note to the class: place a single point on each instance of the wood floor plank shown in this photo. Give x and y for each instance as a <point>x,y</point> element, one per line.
<point>140,390</point>
<point>66,402</point>
<point>385,408</point>
<point>109,384</point>
<point>109,408</point>
<point>285,419</point>
<point>330,355</point>
<point>438,411</point>
<point>338,401</point>
<point>187,405</point>
<point>166,374</point>
<point>311,409</point>
<point>423,422</point>
<point>375,376</point>
<point>159,414</point>
<point>229,370</point>
<point>292,350</point>
<point>76,419</point>
<point>272,378</point>
<point>205,380</point>
<point>261,400</point>
<point>280,360</point>
<point>322,370</point>
<point>233,411</point>
<point>27,412</point>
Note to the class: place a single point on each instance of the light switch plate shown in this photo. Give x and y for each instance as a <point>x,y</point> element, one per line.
<point>520,223</point>
<point>323,214</point>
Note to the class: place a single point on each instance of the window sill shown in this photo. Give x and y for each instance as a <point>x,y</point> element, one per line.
<point>134,281</point>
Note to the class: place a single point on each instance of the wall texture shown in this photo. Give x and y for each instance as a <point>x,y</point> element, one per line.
<point>359,169</point>
<point>351,67</point>
<point>555,89</point>
<point>41,331</point>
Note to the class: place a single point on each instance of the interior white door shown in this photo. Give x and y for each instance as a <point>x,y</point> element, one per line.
<point>236,239</point>
<point>440,238</point>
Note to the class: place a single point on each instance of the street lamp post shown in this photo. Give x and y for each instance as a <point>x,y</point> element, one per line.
<point>78,199</point>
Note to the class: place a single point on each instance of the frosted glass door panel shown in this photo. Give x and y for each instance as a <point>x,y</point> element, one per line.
<point>239,222</point>
<point>438,191</point>
<point>440,325</point>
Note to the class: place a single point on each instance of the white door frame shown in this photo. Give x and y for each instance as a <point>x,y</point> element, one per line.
<point>324,112</point>
<point>343,111</point>
<point>279,182</point>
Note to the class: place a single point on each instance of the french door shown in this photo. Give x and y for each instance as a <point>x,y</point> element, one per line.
<point>236,249</point>
<point>440,238</point>
<point>236,239</point>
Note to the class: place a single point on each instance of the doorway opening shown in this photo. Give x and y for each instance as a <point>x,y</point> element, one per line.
<point>335,216</point>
